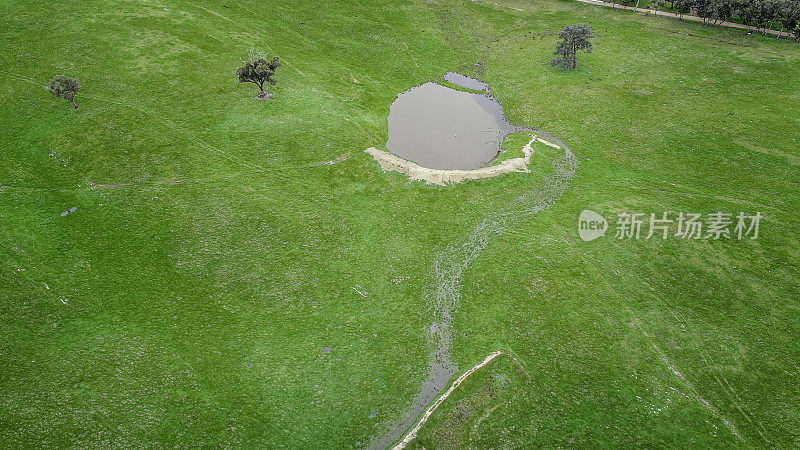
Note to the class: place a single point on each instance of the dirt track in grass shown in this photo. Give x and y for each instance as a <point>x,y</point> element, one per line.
<point>393,163</point>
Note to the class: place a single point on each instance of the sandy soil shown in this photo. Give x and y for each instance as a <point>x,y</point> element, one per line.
<point>393,163</point>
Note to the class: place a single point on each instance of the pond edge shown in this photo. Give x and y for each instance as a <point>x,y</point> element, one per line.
<point>393,163</point>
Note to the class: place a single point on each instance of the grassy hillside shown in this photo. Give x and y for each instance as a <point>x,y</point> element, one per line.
<point>213,253</point>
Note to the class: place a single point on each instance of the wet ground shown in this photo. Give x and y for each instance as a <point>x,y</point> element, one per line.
<point>448,270</point>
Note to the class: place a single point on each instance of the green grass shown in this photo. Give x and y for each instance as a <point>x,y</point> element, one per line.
<point>213,238</point>
<point>459,88</point>
<point>512,146</point>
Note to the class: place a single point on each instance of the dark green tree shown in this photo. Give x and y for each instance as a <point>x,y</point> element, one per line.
<point>767,14</point>
<point>703,9</point>
<point>574,38</point>
<point>722,10</point>
<point>655,4</point>
<point>748,11</point>
<point>64,87</point>
<point>783,13</point>
<point>683,7</point>
<point>791,19</point>
<point>258,70</point>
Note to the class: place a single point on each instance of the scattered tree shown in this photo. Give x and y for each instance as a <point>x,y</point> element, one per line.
<point>657,4</point>
<point>258,70</point>
<point>64,87</point>
<point>574,38</point>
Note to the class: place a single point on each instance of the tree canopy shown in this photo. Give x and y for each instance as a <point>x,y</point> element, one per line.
<point>64,87</point>
<point>574,38</point>
<point>258,70</point>
<point>763,15</point>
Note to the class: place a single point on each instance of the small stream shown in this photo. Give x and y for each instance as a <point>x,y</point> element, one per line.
<point>451,263</point>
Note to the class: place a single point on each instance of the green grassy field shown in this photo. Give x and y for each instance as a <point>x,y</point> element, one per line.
<point>212,255</point>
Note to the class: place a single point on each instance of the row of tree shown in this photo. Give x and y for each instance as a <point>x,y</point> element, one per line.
<point>767,14</point>
<point>761,15</point>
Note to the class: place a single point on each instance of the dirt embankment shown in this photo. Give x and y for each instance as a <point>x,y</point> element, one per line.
<point>393,163</point>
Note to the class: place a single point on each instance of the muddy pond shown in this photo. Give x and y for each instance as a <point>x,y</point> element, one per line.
<point>465,81</point>
<point>442,128</point>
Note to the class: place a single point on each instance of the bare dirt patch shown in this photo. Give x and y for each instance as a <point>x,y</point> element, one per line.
<point>393,163</point>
